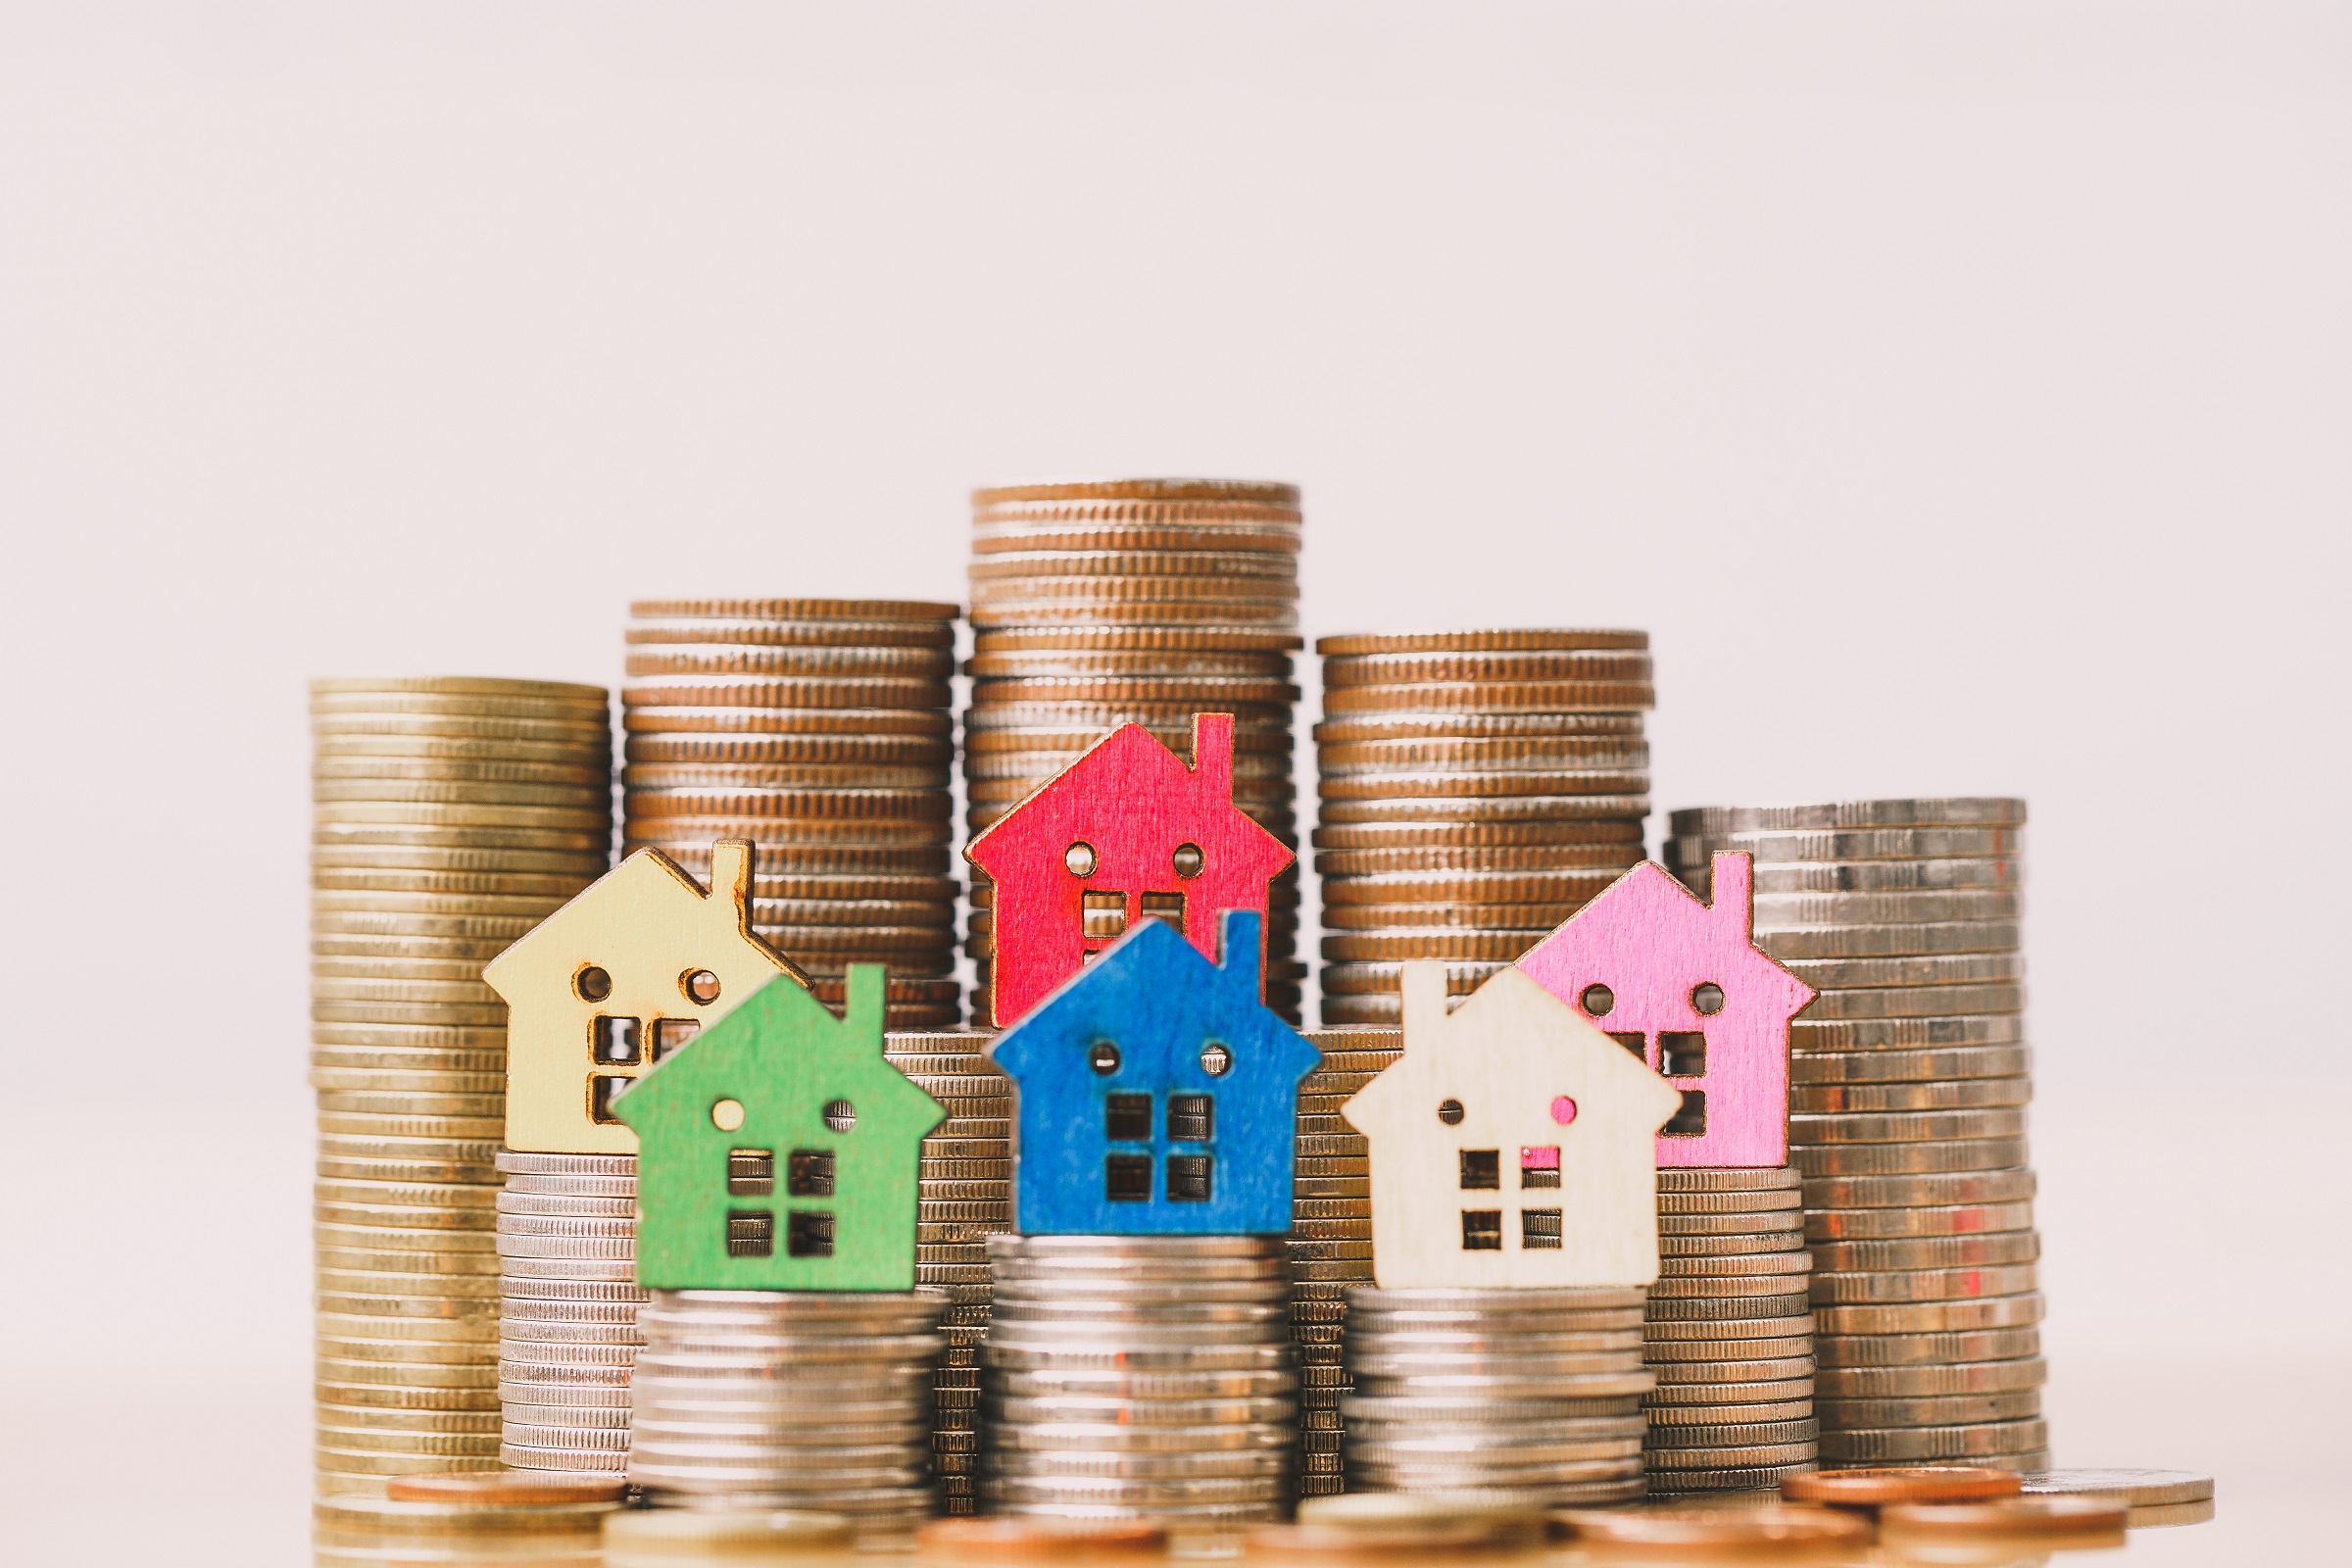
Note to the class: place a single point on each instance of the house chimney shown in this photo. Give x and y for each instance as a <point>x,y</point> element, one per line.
<point>731,878</point>
<point>1212,754</point>
<point>1242,949</point>
<point>1734,879</point>
<point>1423,981</point>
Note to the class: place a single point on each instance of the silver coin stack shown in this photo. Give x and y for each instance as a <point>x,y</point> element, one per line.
<point>1140,1377</point>
<point>568,1309</point>
<point>822,730</point>
<point>1330,1240</point>
<point>1729,1331</point>
<point>1907,1114</point>
<point>966,1197</point>
<point>1477,788</point>
<point>1529,1395</point>
<point>452,815</point>
<point>787,1399</point>
<point>1136,600</point>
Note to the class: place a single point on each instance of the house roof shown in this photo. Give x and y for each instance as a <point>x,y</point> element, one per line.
<point>645,874</point>
<point>1646,918</point>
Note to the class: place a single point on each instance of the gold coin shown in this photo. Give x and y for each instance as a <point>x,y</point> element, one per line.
<point>1492,697</point>
<point>1340,672</point>
<point>785,692</point>
<point>1535,918</point>
<point>835,661</point>
<point>444,950</point>
<point>1476,809</point>
<point>562,757</point>
<point>493,769</point>
<point>1890,1160</point>
<point>1503,639</point>
<point>813,610</point>
<point>540,690</point>
<point>794,776</point>
<point>489,892</point>
<point>1480,785</point>
<point>669,716</point>
<point>788,750</point>
<point>814,861</point>
<point>809,633</point>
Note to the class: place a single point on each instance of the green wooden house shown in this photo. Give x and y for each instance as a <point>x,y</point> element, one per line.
<point>778,1151</point>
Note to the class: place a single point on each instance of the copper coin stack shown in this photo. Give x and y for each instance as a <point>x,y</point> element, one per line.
<point>966,1197</point>
<point>1330,1240</point>
<point>452,815</point>
<point>1137,601</point>
<point>822,730</point>
<point>1729,1331</point>
<point>1907,1114</point>
<point>1477,788</point>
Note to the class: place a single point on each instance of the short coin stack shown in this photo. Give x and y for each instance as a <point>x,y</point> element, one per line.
<point>1142,601</point>
<point>1330,1240</point>
<point>819,729</point>
<point>1477,788</point>
<point>1907,1114</point>
<point>568,1313</point>
<point>787,1399</point>
<point>1531,1394</point>
<point>966,1197</point>
<point>452,815</point>
<point>1729,1331</point>
<point>1140,1377</point>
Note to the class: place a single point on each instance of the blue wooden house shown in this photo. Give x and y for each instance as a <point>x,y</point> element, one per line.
<point>1157,1095</point>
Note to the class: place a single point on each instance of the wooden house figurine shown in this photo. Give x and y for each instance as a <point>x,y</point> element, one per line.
<point>614,982</point>
<point>1511,1144</point>
<point>1126,831</point>
<point>779,1152</point>
<point>1157,1095</point>
<point>1682,983</point>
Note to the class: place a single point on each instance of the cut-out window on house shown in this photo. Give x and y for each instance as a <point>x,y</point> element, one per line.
<point>809,1173</point>
<point>602,1089</point>
<point>671,1033</point>
<point>1539,1228</point>
<point>751,1172</point>
<point>751,1234</point>
<point>617,1040</point>
<point>1691,1120</point>
<point>1189,1177</point>
<point>1682,1053</point>
<point>1482,1230</point>
<point>1634,1040</point>
<point>809,1233</point>
<point>1539,1167</point>
<point>1127,1118</point>
<point>1127,1178</point>
<point>1105,915</point>
<point>1192,1119</point>
<point>1482,1168</point>
<point>1168,907</point>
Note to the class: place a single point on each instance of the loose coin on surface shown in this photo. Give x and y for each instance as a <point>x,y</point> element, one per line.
<point>2137,1489</point>
<point>1696,1526</point>
<point>1872,1488</point>
<point>2014,1518</point>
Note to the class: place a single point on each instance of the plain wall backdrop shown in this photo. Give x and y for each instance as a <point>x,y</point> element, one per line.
<point>1958,393</point>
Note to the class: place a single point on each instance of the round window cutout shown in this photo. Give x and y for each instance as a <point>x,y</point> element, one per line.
<point>1189,860</point>
<point>1080,859</point>
<point>1104,1058</point>
<point>593,984</point>
<point>727,1115</point>
<point>1598,999</point>
<point>1449,1111</point>
<point>840,1115</point>
<point>1707,998</point>
<point>1563,1110</point>
<point>1215,1058</point>
<point>702,986</point>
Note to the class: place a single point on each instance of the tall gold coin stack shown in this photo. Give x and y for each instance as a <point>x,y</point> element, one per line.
<point>1907,1114</point>
<point>452,815</point>
<point>1330,1240</point>
<point>966,1197</point>
<point>1142,601</point>
<point>822,730</point>
<point>1477,788</point>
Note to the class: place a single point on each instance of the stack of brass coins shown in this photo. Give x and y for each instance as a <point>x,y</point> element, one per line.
<point>787,1399</point>
<point>1729,1331</point>
<point>1140,1377</point>
<point>568,1313</point>
<point>966,1197</point>
<point>1907,1114</point>
<point>1142,601</point>
<point>452,815</point>
<point>1330,1240</point>
<point>1528,1394</point>
<point>1477,788</point>
<point>822,730</point>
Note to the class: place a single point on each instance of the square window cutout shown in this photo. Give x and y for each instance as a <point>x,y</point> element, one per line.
<point>1539,1228</point>
<point>1127,1118</point>
<point>1482,1169</point>
<point>1188,1178</point>
<point>1482,1230</point>
<point>1539,1167</point>
<point>1683,1053</point>
<point>811,1173</point>
<point>809,1233</point>
<point>751,1234</point>
<point>1127,1178</point>
<point>751,1172</point>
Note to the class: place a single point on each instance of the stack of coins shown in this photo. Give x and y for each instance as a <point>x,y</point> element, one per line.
<point>1477,788</point>
<point>1528,1394</point>
<point>1140,1377</point>
<point>1142,601</point>
<point>1330,1240</point>
<point>966,1197</point>
<point>1729,1331</point>
<point>787,1399</point>
<point>1907,1110</point>
<point>568,1313</point>
<point>819,729</point>
<point>484,1517</point>
<point>452,815</point>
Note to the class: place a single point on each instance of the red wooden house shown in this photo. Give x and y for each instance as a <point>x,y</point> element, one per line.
<point>1126,832</point>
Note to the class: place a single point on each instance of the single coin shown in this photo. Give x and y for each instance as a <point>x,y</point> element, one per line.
<point>1929,1251</point>
<point>1491,696</point>
<point>1901,1039</point>
<point>2070,1518</point>
<point>2012,1184</point>
<point>2137,1489</point>
<point>506,1487</point>
<point>1955,1094</point>
<point>1933,1442</point>
<point>1878,1487</point>
<point>1502,810</point>
<point>1879,1002</point>
<point>1963,1316</point>
<point>1921,1158</point>
<point>1921,1380</point>
<point>1694,1527</point>
<point>1924,1284</point>
<point>1882,948</point>
<point>1731,1458</point>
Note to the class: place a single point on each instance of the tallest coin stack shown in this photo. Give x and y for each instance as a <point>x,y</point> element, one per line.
<point>452,815</point>
<point>1142,601</point>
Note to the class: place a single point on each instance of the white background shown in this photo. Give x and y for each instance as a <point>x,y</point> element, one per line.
<point>1958,393</point>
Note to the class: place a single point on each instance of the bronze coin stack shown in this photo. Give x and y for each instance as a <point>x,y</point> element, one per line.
<point>452,815</point>
<point>1477,789</point>
<point>1136,600</point>
<point>822,730</point>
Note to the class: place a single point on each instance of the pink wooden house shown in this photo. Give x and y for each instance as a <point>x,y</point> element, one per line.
<point>1683,985</point>
<point>1126,832</point>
